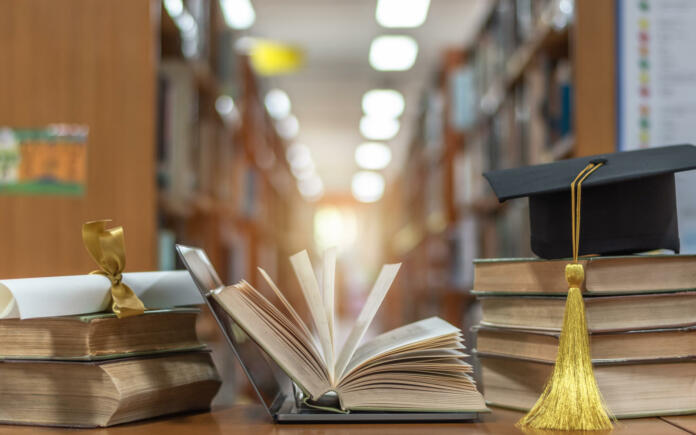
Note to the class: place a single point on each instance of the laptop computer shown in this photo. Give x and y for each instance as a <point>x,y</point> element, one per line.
<point>275,390</point>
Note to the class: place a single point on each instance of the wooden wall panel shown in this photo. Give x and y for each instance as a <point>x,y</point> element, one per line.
<point>594,70</point>
<point>88,62</point>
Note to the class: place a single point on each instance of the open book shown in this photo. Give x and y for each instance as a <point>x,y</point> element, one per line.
<point>417,367</point>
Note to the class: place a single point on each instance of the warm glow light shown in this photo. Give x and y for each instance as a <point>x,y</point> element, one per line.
<point>393,53</point>
<point>277,103</point>
<point>311,188</point>
<point>378,128</point>
<point>239,14</point>
<point>383,103</point>
<point>288,127</point>
<point>373,155</point>
<point>334,227</point>
<point>367,186</point>
<point>402,13</point>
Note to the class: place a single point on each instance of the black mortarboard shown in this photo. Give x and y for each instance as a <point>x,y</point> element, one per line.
<point>628,205</point>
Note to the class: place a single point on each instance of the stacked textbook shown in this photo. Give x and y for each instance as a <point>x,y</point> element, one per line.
<point>641,314</point>
<point>98,370</point>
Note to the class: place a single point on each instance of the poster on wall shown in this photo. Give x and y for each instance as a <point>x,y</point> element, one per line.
<point>51,160</point>
<point>656,84</point>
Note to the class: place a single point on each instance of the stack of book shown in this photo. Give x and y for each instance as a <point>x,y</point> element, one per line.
<point>641,314</point>
<point>98,370</point>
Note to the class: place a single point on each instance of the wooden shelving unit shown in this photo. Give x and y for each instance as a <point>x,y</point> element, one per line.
<point>529,108</point>
<point>238,202</point>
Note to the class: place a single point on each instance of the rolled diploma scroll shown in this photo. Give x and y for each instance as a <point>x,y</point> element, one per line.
<point>81,294</point>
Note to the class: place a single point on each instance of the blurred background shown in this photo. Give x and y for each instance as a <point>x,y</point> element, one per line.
<point>258,128</point>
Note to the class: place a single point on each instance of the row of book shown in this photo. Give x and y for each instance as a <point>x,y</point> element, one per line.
<point>97,370</point>
<point>641,322</point>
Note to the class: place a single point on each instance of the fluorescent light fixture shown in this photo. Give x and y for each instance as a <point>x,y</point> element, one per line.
<point>288,127</point>
<point>393,52</point>
<point>278,104</point>
<point>378,128</point>
<point>239,14</point>
<point>186,24</point>
<point>311,188</point>
<point>373,155</point>
<point>224,104</point>
<point>299,156</point>
<point>402,13</point>
<point>303,173</point>
<point>367,186</point>
<point>174,7</point>
<point>383,103</point>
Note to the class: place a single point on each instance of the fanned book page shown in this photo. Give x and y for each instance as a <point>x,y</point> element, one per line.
<point>417,367</point>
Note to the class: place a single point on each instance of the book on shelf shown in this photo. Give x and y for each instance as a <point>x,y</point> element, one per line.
<point>622,346</point>
<point>99,336</point>
<point>105,393</point>
<point>642,389</point>
<point>417,367</point>
<point>603,275</point>
<point>604,313</point>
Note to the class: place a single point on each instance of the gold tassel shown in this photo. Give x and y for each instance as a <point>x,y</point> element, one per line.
<point>571,399</point>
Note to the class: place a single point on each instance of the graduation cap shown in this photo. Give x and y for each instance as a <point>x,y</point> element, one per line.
<point>628,204</point>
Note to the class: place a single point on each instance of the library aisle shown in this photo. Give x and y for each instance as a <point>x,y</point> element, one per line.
<point>255,129</point>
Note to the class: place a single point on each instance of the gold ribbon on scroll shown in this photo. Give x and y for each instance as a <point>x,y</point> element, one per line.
<point>108,249</point>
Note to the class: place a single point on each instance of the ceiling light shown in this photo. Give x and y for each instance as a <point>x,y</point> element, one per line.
<point>186,23</point>
<point>383,103</point>
<point>277,103</point>
<point>303,172</point>
<point>224,104</point>
<point>393,53</point>
<point>288,127</point>
<point>402,13</point>
<point>174,7</point>
<point>239,14</point>
<point>378,128</point>
<point>367,186</point>
<point>299,156</point>
<point>373,155</point>
<point>311,188</point>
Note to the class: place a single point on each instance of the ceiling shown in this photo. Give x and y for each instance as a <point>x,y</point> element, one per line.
<point>326,94</point>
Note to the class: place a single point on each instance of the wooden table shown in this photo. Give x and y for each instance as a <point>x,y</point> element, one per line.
<point>251,419</point>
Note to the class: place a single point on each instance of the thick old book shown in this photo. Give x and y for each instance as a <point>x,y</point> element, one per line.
<point>603,275</point>
<point>651,388</point>
<point>626,346</point>
<point>99,336</point>
<point>417,367</point>
<point>91,394</point>
<point>606,313</point>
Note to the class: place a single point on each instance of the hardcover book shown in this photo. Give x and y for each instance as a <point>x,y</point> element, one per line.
<point>105,393</point>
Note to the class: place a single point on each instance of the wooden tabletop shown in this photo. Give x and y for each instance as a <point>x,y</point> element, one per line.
<point>251,419</point>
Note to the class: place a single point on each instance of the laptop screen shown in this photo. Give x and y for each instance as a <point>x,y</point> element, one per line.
<point>266,377</point>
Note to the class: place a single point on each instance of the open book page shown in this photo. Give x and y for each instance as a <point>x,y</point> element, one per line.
<point>417,367</point>
<point>310,289</point>
<point>421,332</point>
<point>374,300</point>
<point>277,335</point>
<point>286,305</point>
<point>328,288</point>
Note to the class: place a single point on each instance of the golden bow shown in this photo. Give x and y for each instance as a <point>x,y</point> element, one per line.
<point>108,249</point>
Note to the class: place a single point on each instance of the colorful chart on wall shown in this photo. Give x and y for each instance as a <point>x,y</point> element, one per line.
<point>51,160</point>
<point>656,83</point>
